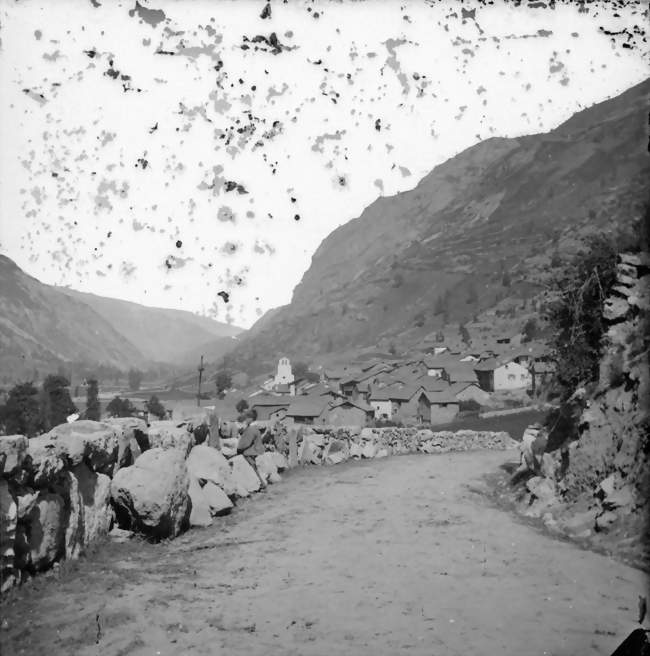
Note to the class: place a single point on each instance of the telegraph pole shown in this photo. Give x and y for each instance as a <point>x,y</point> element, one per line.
<point>201,368</point>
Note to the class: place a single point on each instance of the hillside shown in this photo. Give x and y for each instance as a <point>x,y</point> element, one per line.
<point>162,335</point>
<point>41,326</point>
<point>484,226</point>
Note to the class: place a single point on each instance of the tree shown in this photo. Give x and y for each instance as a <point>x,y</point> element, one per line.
<point>577,313</point>
<point>21,413</point>
<point>135,378</point>
<point>155,407</point>
<point>56,403</point>
<point>92,400</point>
<point>464,334</point>
<point>530,330</point>
<point>223,381</point>
<point>119,407</point>
<point>242,406</point>
<point>300,369</point>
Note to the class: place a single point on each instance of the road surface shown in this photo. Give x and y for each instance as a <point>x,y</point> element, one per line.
<point>396,556</point>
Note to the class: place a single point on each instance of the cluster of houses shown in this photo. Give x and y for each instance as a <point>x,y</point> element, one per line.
<point>430,388</point>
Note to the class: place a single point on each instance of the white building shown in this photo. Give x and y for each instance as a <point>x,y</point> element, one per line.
<point>284,375</point>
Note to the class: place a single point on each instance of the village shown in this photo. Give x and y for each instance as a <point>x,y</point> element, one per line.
<point>435,386</point>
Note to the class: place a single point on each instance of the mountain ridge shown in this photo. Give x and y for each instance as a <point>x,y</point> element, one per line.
<point>502,206</point>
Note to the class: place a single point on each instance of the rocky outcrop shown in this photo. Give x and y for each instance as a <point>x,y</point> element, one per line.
<point>170,435</point>
<point>598,486</point>
<point>151,496</point>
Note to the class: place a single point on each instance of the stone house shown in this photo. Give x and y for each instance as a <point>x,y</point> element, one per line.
<point>269,407</point>
<point>349,413</point>
<point>307,410</point>
<point>469,392</point>
<point>437,407</point>
<point>504,373</point>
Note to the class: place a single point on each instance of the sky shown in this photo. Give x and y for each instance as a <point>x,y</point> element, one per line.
<point>194,154</point>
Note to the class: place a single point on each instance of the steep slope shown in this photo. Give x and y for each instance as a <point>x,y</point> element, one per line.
<point>480,227</point>
<point>162,335</point>
<point>40,327</point>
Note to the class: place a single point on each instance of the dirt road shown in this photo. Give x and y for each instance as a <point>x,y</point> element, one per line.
<point>395,556</point>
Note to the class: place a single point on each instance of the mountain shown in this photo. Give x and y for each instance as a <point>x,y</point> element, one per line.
<point>487,224</point>
<point>43,326</point>
<point>160,334</point>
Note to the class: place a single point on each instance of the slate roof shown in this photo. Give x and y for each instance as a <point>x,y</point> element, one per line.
<point>357,404</point>
<point>439,397</point>
<point>270,401</point>
<point>307,406</point>
<point>461,372</point>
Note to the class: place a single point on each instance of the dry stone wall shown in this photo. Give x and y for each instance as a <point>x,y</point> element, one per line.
<point>85,480</point>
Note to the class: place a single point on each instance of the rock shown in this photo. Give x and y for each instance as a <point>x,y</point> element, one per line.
<point>217,499</point>
<point>315,439</point>
<point>548,466</point>
<point>369,450</point>
<point>280,461</point>
<point>605,520</point>
<point>46,531</point>
<point>266,468</point>
<point>25,499</point>
<point>355,450</point>
<point>293,449</point>
<point>13,449</point>
<point>543,495</point>
<point>96,511</point>
<point>382,453</point>
<point>170,435</point>
<point>94,442</point>
<point>244,476</point>
<point>337,451</point>
<point>607,485</point>
<point>133,439</point>
<point>366,433</point>
<point>622,498</point>
<point>151,495</point>
<point>615,309</point>
<point>45,463</point>
<point>200,513</point>
<point>208,464</point>
<point>120,535</point>
<point>306,453</point>
<point>8,523</point>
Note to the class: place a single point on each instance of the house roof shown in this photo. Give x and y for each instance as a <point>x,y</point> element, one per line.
<point>456,388</point>
<point>486,365</point>
<point>439,397</point>
<point>307,406</point>
<point>270,401</point>
<point>461,372</point>
<point>432,384</point>
<point>357,404</point>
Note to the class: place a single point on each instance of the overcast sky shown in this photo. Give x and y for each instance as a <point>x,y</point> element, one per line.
<point>166,156</point>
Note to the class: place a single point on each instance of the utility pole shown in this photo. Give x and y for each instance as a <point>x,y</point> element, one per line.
<point>201,368</point>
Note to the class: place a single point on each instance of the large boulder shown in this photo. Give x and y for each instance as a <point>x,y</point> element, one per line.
<point>266,468</point>
<point>8,522</point>
<point>208,464</point>
<point>95,496</point>
<point>151,496</point>
<point>44,461</point>
<point>217,499</point>
<point>171,435</point>
<point>293,448</point>
<point>200,514</point>
<point>244,476</point>
<point>94,442</point>
<point>337,451</point>
<point>13,449</point>
<point>279,460</point>
<point>133,438</point>
<point>42,535</point>
<point>307,452</point>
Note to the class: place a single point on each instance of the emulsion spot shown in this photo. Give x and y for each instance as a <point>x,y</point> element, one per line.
<point>179,243</point>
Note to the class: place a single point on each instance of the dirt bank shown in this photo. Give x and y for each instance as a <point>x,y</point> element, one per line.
<point>399,555</point>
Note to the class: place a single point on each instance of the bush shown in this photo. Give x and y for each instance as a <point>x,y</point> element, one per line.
<point>119,407</point>
<point>155,407</point>
<point>577,314</point>
<point>469,406</point>
<point>21,414</point>
<point>92,400</point>
<point>242,406</point>
<point>56,403</point>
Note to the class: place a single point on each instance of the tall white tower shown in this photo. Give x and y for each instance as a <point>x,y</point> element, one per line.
<point>284,374</point>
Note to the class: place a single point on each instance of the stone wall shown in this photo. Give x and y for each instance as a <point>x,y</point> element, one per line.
<point>82,481</point>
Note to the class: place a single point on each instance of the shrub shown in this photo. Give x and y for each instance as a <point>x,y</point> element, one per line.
<point>155,407</point>
<point>119,407</point>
